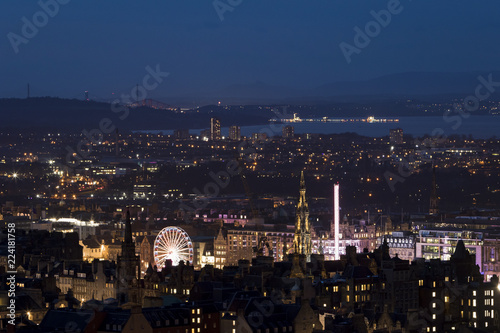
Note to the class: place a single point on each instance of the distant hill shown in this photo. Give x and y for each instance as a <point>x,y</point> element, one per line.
<point>407,85</point>
<point>383,96</point>
<point>72,114</point>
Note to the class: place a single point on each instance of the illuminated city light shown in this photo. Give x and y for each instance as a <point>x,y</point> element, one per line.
<point>336,212</point>
<point>172,243</point>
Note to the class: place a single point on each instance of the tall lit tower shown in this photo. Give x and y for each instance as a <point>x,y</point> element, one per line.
<point>302,243</point>
<point>215,133</point>
<point>336,219</point>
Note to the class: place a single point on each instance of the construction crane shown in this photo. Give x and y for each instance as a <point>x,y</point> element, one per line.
<point>249,194</point>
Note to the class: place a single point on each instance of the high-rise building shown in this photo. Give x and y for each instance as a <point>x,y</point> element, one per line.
<point>288,132</point>
<point>302,242</point>
<point>235,133</point>
<point>396,136</point>
<point>215,133</point>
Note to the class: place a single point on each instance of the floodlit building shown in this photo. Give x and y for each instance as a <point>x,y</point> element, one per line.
<point>401,244</point>
<point>302,239</point>
<point>441,243</point>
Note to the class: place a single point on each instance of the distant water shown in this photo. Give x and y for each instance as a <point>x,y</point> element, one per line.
<point>478,126</point>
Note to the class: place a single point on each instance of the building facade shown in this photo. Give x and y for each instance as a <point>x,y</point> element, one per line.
<point>215,130</point>
<point>235,133</point>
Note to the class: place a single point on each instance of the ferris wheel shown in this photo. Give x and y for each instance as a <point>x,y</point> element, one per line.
<point>172,243</point>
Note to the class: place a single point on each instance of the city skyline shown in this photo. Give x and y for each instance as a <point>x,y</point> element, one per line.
<point>246,166</point>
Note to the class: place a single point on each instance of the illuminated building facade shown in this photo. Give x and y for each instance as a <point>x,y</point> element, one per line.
<point>240,244</point>
<point>441,243</point>
<point>215,131</point>
<point>401,244</point>
<point>396,136</point>
<point>235,133</point>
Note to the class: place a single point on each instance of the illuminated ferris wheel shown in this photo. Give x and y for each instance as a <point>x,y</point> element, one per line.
<point>172,243</point>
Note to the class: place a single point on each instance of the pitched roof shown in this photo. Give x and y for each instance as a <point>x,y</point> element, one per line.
<point>357,272</point>
<point>58,320</point>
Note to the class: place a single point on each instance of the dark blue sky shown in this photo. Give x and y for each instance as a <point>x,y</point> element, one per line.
<point>104,46</point>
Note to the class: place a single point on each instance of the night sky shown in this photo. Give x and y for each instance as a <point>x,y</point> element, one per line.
<point>104,46</point>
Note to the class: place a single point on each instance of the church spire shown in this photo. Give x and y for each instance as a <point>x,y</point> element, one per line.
<point>128,229</point>
<point>128,268</point>
<point>302,239</point>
